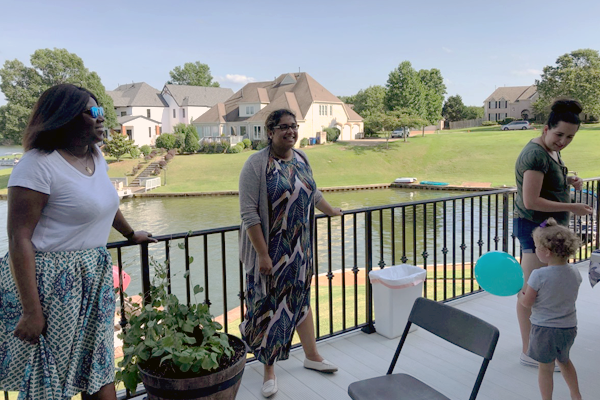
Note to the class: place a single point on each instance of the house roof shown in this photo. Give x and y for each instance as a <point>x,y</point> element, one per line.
<point>295,91</point>
<point>198,96</point>
<point>352,115</point>
<point>127,118</point>
<point>138,94</point>
<point>513,93</point>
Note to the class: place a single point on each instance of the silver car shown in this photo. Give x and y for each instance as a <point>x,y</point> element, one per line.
<point>516,125</point>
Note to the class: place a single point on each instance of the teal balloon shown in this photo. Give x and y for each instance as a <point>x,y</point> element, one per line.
<point>499,273</point>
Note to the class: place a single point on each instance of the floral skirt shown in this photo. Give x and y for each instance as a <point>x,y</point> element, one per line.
<point>76,352</point>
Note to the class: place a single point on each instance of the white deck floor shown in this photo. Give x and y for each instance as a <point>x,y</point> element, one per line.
<point>447,368</point>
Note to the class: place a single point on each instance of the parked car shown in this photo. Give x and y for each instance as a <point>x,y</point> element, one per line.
<point>399,133</point>
<point>516,125</point>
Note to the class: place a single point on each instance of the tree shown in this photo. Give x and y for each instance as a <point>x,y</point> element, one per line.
<point>195,74</point>
<point>191,143</point>
<point>434,91</point>
<point>370,101</point>
<point>404,90</point>
<point>454,109</point>
<point>576,75</point>
<point>23,85</point>
<point>348,99</point>
<point>118,146</point>
<point>473,112</point>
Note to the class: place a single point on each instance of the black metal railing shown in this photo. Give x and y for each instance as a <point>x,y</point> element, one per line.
<point>444,236</point>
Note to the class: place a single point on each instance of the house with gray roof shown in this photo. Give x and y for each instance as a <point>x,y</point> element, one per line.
<point>510,102</point>
<point>244,113</point>
<point>186,103</point>
<point>139,105</point>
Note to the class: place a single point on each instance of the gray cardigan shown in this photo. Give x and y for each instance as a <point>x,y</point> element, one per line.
<point>254,209</point>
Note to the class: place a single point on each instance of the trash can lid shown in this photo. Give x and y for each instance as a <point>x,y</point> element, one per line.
<point>399,276</point>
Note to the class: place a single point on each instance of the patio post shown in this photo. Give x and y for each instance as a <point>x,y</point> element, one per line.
<point>369,328</point>
<point>505,232</point>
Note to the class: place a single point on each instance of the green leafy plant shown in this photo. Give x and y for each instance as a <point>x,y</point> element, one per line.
<point>304,142</point>
<point>247,143</point>
<point>170,339</point>
<point>145,149</point>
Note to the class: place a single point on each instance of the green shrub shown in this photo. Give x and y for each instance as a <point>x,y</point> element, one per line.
<point>145,149</point>
<point>247,143</point>
<point>304,142</point>
<point>261,145</point>
<point>191,144</point>
<point>166,141</point>
<point>238,148</point>
<point>332,134</point>
<point>134,152</point>
<point>489,123</point>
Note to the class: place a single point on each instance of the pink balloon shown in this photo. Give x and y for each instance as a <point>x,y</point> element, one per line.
<point>125,276</point>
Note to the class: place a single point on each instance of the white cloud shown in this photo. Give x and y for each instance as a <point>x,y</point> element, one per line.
<point>447,50</point>
<point>526,72</point>
<point>235,78</point>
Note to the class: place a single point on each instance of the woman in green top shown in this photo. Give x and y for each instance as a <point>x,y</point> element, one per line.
<point>543,191</point>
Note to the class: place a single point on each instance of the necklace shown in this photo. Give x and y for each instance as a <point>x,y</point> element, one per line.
<point>88,169</point>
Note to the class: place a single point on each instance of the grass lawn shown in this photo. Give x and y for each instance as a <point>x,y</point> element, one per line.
<point>485,154</point>
<point>482,154</point>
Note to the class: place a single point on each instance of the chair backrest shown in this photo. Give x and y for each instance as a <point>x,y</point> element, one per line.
<point>455,326</point>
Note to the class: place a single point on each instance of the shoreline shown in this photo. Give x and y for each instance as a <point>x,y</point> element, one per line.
<point>374,186</point>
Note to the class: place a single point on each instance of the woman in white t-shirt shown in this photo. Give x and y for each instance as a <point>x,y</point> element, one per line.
<point>56,289</point>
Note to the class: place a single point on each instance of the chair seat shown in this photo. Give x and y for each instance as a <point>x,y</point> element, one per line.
<point>395,386</point>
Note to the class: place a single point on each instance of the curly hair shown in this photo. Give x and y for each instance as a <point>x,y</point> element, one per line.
<point>561,241</point>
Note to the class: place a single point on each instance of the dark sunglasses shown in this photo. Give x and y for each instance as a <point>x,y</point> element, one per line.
<point>95,112</point>
<point>285,127</point>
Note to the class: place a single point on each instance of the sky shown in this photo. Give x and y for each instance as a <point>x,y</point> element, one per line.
<point>346,45</point>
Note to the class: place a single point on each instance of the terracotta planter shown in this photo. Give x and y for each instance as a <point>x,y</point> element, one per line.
<point>222,385</point>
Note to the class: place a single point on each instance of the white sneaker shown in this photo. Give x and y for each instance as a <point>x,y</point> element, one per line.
<point>269,388</point>
<point>530,362</point>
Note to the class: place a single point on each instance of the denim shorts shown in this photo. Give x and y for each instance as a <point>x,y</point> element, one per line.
<point>522,229</point>
<point>549,344</point>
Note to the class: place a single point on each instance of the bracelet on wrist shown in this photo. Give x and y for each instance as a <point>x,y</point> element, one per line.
<point>129,236</point>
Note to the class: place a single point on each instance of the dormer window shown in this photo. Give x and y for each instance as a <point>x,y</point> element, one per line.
<point>249,110</point>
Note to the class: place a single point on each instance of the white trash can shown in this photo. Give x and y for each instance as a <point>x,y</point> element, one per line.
<point>395,289</point>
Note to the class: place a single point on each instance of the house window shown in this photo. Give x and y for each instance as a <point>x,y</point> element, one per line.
<point>257,132</point>
<point>160,130</point>
<point>330,110</point>
<point>130,134</point>
<point>174,113</point>
<point>242,131</point>
<point>149,132</point>
<point>123,113</point>
<point>506,104</point>
<point>249,110</point>
<point>183,113</point>
<point>489,105</point>
<point>489,117</point>
<point>148,113</point>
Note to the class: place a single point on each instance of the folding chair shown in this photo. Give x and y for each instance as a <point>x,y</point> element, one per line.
<point>453,325</point>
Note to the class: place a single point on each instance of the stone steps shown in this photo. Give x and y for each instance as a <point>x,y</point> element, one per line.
<point>145,173</point>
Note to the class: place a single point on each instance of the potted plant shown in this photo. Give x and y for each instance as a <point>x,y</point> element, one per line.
<point>176,350</point>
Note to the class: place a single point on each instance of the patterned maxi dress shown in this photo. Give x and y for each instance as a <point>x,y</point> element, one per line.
<point>270,321</point>
<point>76,352</point>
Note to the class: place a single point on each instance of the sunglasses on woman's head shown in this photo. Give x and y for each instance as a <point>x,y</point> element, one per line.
<point>95,112</point>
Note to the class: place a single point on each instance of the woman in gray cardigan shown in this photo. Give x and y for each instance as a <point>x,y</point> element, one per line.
<point>277,199</point>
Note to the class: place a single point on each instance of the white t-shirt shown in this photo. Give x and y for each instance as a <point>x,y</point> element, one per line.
<point>80,209</point>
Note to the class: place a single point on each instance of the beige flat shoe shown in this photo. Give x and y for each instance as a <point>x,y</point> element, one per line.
<point>269,388</point>
<point>323,366</point>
